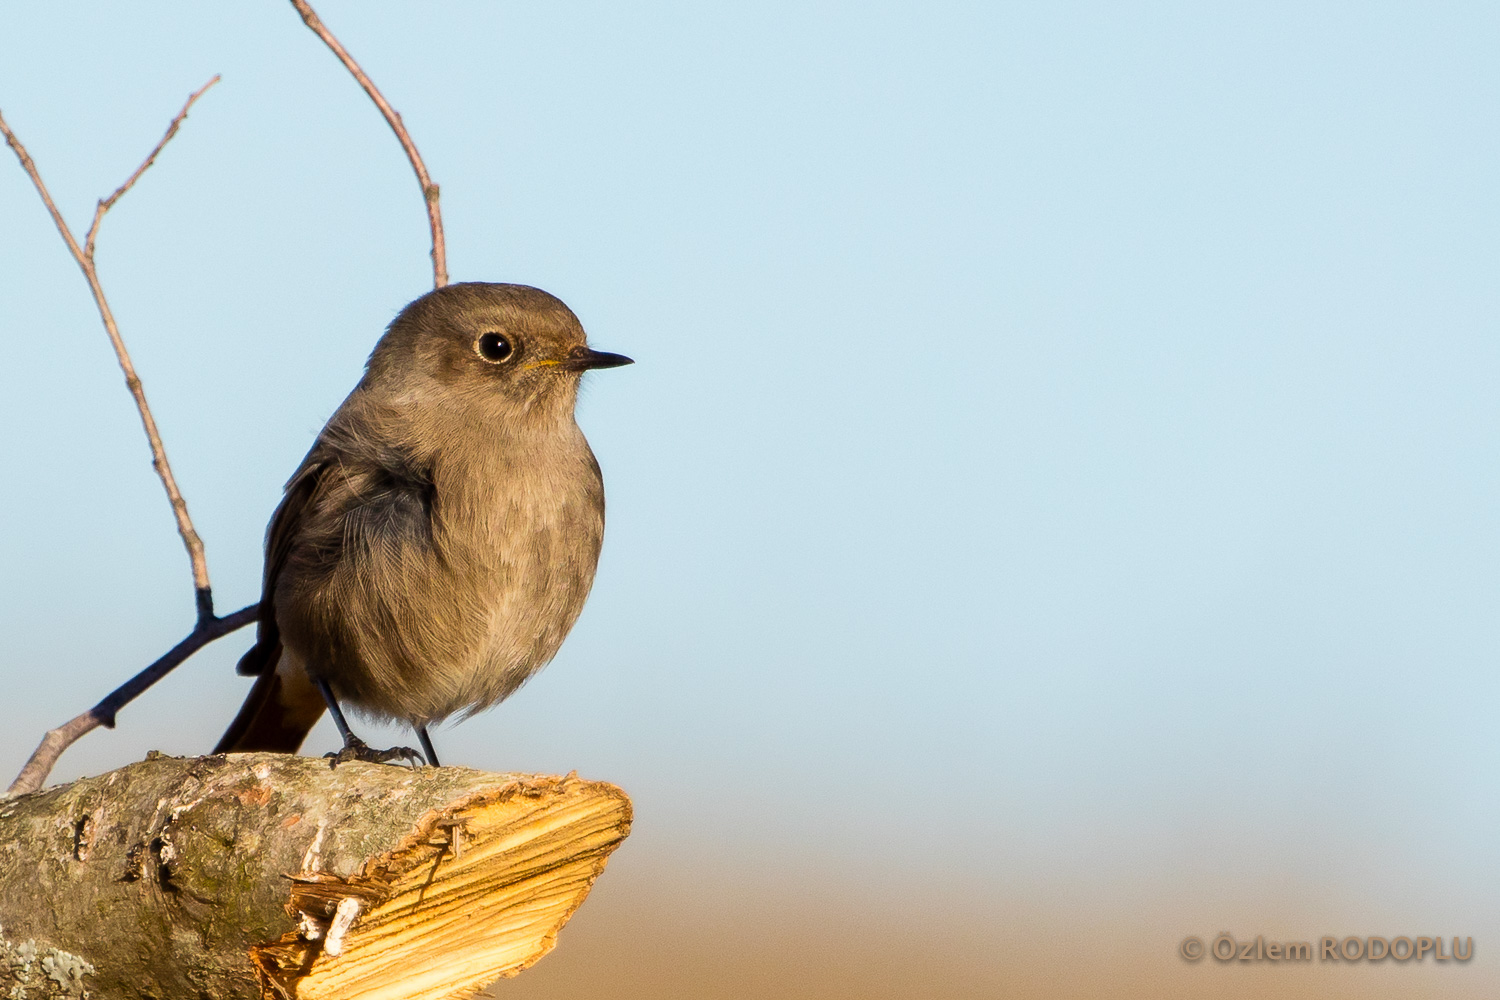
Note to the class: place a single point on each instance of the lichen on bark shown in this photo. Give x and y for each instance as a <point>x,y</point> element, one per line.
<point>32,972</point>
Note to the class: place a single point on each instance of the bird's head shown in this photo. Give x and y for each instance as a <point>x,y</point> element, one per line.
<point>511,346</point>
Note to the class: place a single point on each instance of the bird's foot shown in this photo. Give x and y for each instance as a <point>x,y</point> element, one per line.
<point>358,749</point>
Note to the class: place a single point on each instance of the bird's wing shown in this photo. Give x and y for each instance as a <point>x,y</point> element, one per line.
<point>356,493</point>
<point>280,537</point>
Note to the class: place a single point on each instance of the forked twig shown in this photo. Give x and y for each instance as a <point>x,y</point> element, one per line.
<point>209,626</point>
<point>84,255</point>
<point>393,118</point>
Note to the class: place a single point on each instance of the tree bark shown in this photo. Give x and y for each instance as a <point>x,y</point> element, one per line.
<point>272,876</point>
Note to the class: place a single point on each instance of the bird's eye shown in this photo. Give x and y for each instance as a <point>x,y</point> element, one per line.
<point>494,347</point>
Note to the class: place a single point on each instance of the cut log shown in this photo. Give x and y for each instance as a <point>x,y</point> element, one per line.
<point>277,877</point>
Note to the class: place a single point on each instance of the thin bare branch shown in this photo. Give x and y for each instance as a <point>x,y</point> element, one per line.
<point>103,714</point>
<point>209,627</point>
<point>36,179</point>
<point>107,203</point>
<point>429,189</point>
<point>84,255</point>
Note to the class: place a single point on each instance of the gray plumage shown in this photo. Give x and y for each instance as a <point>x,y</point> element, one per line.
<point>439,540</point>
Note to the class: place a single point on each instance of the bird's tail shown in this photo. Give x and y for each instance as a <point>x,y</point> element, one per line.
<point>280,711</point>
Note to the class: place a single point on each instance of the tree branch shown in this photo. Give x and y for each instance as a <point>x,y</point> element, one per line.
<point>266,875</point>
<point>209,627</point>
<point>103,714</point>
<point>84,255</point>
<point>393,118</point>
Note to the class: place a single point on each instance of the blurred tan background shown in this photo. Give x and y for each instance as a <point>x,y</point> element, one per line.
<point>700,928</point>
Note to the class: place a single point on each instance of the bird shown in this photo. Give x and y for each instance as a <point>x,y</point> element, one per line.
<point>438,542</point>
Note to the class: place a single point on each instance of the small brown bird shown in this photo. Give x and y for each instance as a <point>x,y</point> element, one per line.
<point>438,541</point>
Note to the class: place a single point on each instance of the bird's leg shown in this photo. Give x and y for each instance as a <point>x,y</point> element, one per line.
<point>427,746</point>
<point>338,714</point>
<point>354,747</point>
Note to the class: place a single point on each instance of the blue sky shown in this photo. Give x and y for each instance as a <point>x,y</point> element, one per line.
<point>1087,406</point>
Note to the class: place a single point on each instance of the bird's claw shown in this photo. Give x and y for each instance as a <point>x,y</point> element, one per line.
<point>358,749</point>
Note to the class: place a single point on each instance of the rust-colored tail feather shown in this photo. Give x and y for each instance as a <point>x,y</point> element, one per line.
<point>280,711</point>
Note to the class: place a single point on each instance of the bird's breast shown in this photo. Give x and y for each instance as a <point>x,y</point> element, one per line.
<point>518,534</point>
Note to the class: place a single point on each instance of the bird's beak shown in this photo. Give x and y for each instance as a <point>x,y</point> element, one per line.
<point>582,359</point>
